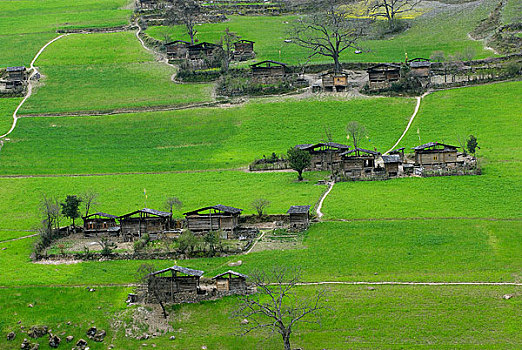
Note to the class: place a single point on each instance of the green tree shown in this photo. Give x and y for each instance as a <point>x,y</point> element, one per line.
<point>184,12</point>
<point>187,242</point>
<point>355,131</point>
<point>299,160</point>
<point>71,207</point>
<point>213,240</point>
<point>227,40</point>
<point>472,145</point>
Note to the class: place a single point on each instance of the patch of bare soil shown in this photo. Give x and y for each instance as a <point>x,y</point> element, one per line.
<point>78,242</point>
<point>278,241</point>
<point>57,262</point>
<point>142,322</point>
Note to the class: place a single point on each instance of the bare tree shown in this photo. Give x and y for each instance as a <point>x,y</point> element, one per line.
<point>89,199</point>
<point>327,33</point>
<point>184,12</point>
<point>389,9</point>
<point>173,203</point>
<point>145,278</point>
<point>355,131</point>
<point>260,205</point>
<point>227,40</point>
<point>276,307</point>
<point>50,210</point>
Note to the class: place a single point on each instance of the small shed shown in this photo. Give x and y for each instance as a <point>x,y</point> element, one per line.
<point>144,221</point>
<point>177,50</point>
<point>168,282</point>
<point>203,50</point>
<point>213,218</point>
<point>434,154</point>
<point>392,164</point>
<point>359,162</point>
<point>244,50</point>
<point>16,73</point>
<point>299,216</point>
<point>420,67</point>
<point>230,281</point>
<point>334,81</point>
<point>268,68</point>
<point>100,223</point>
<point>382,75</point>
<point>399,152</point>
<point>325,155</point>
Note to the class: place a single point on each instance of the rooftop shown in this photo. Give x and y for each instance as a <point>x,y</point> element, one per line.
<point>150,211</point>
<point>219,207</point>
<point>230,272</point>
<point>185,270</point>
<point>433,144</point>
<point>298,209</point>
<point>104,215</point>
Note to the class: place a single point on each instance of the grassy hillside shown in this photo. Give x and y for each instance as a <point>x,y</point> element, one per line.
<point>26,25</point>
<point>106,72</point>
<point>206,138</point>
<point>7,107</point>
<point>445,31</point>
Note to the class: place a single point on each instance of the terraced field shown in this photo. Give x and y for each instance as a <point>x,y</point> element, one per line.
<point>445,230</point>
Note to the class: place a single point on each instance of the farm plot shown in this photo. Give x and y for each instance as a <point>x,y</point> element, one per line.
<point>93,72</point>
<point>389,316</point>
<point>445,30</point>
<point>25,26</point>
<point>206,138</point>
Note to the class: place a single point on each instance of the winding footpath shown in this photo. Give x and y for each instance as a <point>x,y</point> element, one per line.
<point>30,83</point>
<point>321,201</point>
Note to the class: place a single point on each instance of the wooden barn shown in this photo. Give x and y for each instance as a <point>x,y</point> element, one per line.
<point>177,50</point>
<point>231,281</point>
<point>100,223</point>
<point>244,50</point>
<point>334,82</point>
<point>299,216</point>
<point>420,67</point>
<point>203,50</point>
<point>392,165</point>
<point>382,75</point>
<point>144,221</point>
<point>359,162</point>
<point>16,73</point>
<point>435,154</point>
<point>325,155</point>
<point>266,69</point>
<point>168,282</point>
<point>213,218</point>
<point>399,152</point>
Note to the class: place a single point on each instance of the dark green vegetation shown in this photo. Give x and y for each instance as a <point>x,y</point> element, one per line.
<point>192,139</point>
<point>453,229</point>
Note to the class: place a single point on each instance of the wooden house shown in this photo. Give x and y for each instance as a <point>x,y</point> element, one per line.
<point>168,282</point>
<point>334,82</point>
<point>420,67</point>
<point>383,75</point>
<point>100,223</point>
<point>16,73</point>
<point>244,50</point>
<point>325,155</point>
<point>268,69</point>
<point>299,216</point>
<point>435,154</point>
<point>203,50</point>
<point>144,221</point>
<point>231,281</point>
<point>214,218</point>
<point>360,162</point>
<point>177,50</point>
<point>399,152</point>
<point>392,165</point>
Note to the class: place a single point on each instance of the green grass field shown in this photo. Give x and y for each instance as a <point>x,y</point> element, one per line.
<point>7,107</point>
<point>192,139</point>
<point>445,31</point>
<point>81,74</point>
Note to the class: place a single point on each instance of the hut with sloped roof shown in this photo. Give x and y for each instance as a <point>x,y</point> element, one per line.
<point>100,224</point>
<point>334,82</point>
<point>213,218</point>
<point>268,69</point>
<point>244,50</point>
<point>325,155</point>
<point>383,75</point>
<point>359,163</point>
<point>168,283</point>
<point>231,281</point>
<point>435,154</point>
<point>392,165</point>
<point>299,216</point>
<point>16,73</point>
<point>144,221</point>
<point>177,49</point>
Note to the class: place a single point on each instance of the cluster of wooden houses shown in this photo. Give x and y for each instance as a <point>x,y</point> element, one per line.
<point>383,75</point>
<point>359,163</point>
<point>155,223</point>
<point>13,80</point>
<point>208,52</point>
<point>177,284</point>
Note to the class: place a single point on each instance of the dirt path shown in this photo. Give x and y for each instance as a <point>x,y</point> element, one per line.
<point>416,110</point>
<point>485,46</point>
<point>427,218</point>
<point>320,205</point>
<point>19,238</point>
<point>30,84</point>
<point>253,245</point>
